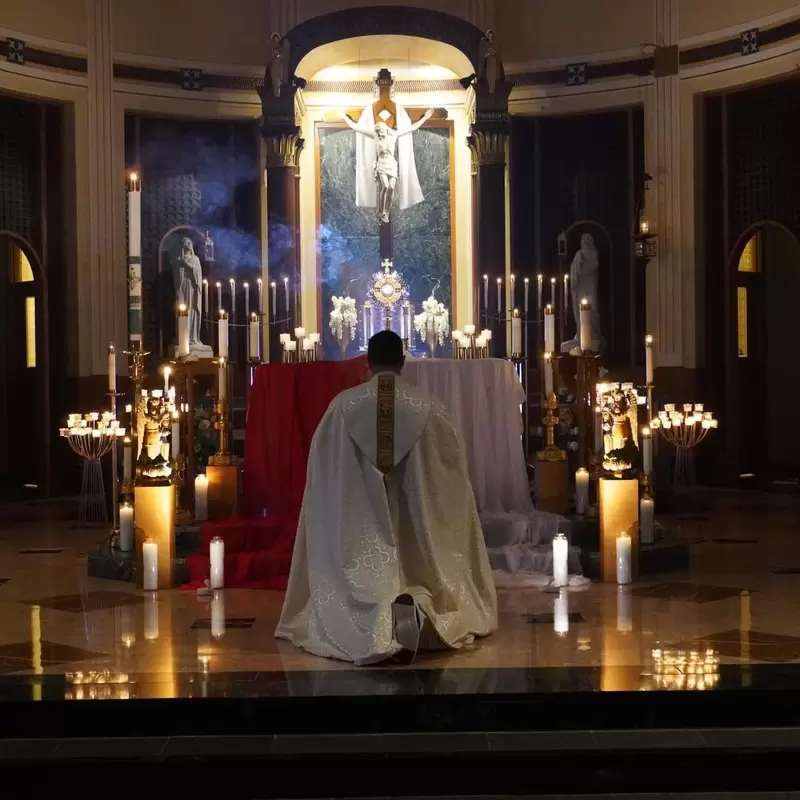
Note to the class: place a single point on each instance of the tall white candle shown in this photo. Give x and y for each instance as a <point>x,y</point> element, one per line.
<point>648,360</point>
<point>222,380</point>
<point>647,451</point>
<point>134,257</point>
<point>516,334</point>
<point>246,300</point>
<point>367,310</point>
<point>232,284</point>
<point>217,551</point>
<point>403,321</point>
<point>176,435</point>
<point>485,292</point>
<point>183,331</point>
<point>260,284</point>
<point>222,323</point>
<point>127,459</point>
<point>566,295</point>
<point>410,325</point>
<point>548,374</point>
<point>286,293</point>
<point>112,368</point>
<point>219,296</point>
<point>149,566</point>
<point>624,610</point>
<point>499,296</point>
<point>201,498</point>
<point>561,613</point>
<point>581,490</point>
<point>624,574</point>
<point>586,325</point>
<point>218,615</point>
<point>560,559</point>
<point>254,339</point>
<point>151,617</point>
<point>274,287</point>
<point>539,281</point>
<point>647,522</point>
<point>513,279</point>
<point>527,289</point>
<point>126,527</point>
<point>549,329</point>
<point>553,293</point>
<point>167,372</point>
<point>206,309</point>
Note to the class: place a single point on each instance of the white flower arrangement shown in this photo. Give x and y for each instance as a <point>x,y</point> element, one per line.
<point>434,317</point>
<point>344,315</point>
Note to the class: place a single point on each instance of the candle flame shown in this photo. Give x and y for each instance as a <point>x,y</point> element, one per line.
<point>645,431</point>
<point>134,176</point>
<point>223,314</point>
<point>648,340</point>
<point>526,280</point>
<point>286,280</point>
<point>219,285</point>
<point>182,307</point>
<point>547,355</point>
<point>273,284</point>
<point>167,371</point>
<point>486,277</point>
<point>205,281</point>
<point>552,280</point>
<point>246,285</point>
<point>499,280</point>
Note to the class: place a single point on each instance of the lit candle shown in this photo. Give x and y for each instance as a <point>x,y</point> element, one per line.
<point>246,300</point>
<point>219,296</point>
<point>201,497</point>
<point>548,373</point>
<point>647,451</point>
<point>566,295</point>
<point>205,296</point>
<point>260,284</point>
<point>274,287</point>
<point>647,522</point>
<point>112,369</point>
<point>149,566</point>
<point>232,284</point>
<point>222,349</point>
<point>183,331</point>
<point>527,289</point>
<point>126,527</point>
<point>480,345</point>
<point>167,371</point>
<point>291,347</point>
<point>299,333</point>
<point>134,257</point>
<point>176,434</point>
<point>561,613</point>
<point>516,333</point>
<point>586,326</point>
<point>539,280</point>
<point>151,617</point>
<point>254,339</point>
<point>217,551</point>
<point>127,458</point>
<point>485,292</point>
<point>222,381</point>
<point>403,321</point>
<point>624,610</point>
<point>411,332</point>
<point>624,559</point>
<point>499,295</point>
<point>581,490</point>
<point>553,292</point>
<point>648,360</point>
<point>218,615</point>
<point>286,293</point>
<point>308,347</point>
<point>513,289</point>
<point>560,557</point>
<point>549,329</point>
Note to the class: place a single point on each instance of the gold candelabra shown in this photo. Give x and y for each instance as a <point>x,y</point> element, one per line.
<point>551,451</point>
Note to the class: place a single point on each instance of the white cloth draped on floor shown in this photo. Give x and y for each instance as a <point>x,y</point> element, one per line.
<point>484,397</point>
<point>364,539</point>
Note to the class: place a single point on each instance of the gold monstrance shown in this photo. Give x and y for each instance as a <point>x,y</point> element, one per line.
<point>387,289</point>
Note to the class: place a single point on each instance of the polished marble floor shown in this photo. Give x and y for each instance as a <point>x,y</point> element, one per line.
<point>719,625</point>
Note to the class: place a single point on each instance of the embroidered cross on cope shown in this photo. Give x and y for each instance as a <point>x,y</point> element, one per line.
<point>385,419</point>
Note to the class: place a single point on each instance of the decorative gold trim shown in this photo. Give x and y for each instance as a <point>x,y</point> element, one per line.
<point>385,421</point>
<point>489,147</point>
<point>283,149</point>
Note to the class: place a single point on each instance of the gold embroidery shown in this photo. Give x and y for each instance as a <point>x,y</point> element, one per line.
<point>385,418</point>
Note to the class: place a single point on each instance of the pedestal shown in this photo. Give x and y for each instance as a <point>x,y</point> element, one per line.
<point>223,491</point>
<point>619,513</point>
<point>155,520</point>
<point>552,481</point>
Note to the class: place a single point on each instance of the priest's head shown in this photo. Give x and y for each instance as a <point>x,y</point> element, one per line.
<point>385,353</point>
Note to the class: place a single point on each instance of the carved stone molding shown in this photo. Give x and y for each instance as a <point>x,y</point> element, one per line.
<point>488,147</point>
<point>283,149</point>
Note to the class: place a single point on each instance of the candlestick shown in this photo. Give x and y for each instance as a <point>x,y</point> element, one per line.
<point>549,329</point>
<point>561,613</point>
<point>647,511</point>
<point>219,296</point>
<point>232,284</point>
<point>648,360</point>
<point>499,296</point>
<point>516,334</point>
<point>183,331</point>
<point>624,575</point>
<point>485,292</point>
<point>201,497</point>
<point>126,527</point>
<point>586,326</point>
<point>560,560</point>
<point>527,288</point>
<point>581,490</point>
<point>254,338</point>
<point>134,258</point>
<point>112,368</point>
<point>539,280</point>
<point>286,293</point>
<point>222,381</point>
<point>548,373</point>
<point>218,615</point>
<point>222,348</point>
<point>150,566</point>
<point>217,551</point>
<point>647,452</point>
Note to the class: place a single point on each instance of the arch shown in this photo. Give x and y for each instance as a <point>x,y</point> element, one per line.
<point>741,242</point>
<point>42,324</point>
<point>354,23</point>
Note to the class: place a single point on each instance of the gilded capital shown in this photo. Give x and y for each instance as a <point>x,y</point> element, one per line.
<point>488,147</point>
<point>283,149</point>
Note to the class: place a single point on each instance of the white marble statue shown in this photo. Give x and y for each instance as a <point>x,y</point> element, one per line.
<point>584,273</point>
<point>278,67</point>
<point>377,164</point>
<point>188,277</point>
<point>489,64</point>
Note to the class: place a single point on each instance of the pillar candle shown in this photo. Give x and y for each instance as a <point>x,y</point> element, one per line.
<point>217,551</point>
<point>291,346</point>
<point>274,298</point>
<point>167,372</point>
<point>176,435</point>
<point>201,497</point>
<point>183,331</point>
<point>218,615</point>
<point>586,326</point>
<point>647,451</point>
<point>286,293</point>
<point>219,296</point>
<point>299,333</point>
<point>499,296</point>
<point>126,527</point>
<point>549,329</point>
<point>254,339</point>
<point>246,300</point>
<point>516,334</point>
<point>485,292</point>
<point>560,555</point>
<point>561,613</point>
<point>149,566</point>
<point>548,374</point>
<point>134,257</point>
<point>648,360</point>
<point>151,617</point>
<point>527,288</point>
<point>581,490</point>
<point>112,368</point>
<point>469,330</point>
<point>222,381</point>
<point>624,575</point>
<point>284,338</point>
<point>222,348</point>
<point>539,280</point>
<point>127,459</point>
<point>647,510</point>
<point>553,293</point>
<point>624,610</point>
<point>205,296</point>
<point>232,284</point>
